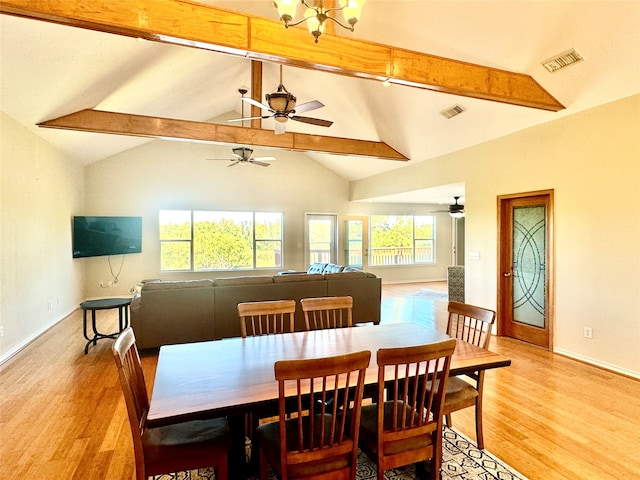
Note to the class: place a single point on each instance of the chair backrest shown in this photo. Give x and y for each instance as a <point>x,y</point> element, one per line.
<point>134,388</point>
<point>327,312</point>
<point>405,426</point>
<point>470,323</point>
<point>318,434</point>
<point>263,318</point>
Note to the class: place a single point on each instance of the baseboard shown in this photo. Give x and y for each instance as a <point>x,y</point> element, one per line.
<point>401,282</point>
<point>598,363</point>
<point>21,346</point>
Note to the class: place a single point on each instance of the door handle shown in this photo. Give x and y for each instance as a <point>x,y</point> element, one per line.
<point>507,274</point>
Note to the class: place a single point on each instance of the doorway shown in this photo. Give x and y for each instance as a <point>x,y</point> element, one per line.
<point>525,275</point>
<point>321,238</point>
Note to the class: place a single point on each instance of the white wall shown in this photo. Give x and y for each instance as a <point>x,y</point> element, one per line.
<point>41,189</point>
<point>177,175</point>
<point>592,161</point>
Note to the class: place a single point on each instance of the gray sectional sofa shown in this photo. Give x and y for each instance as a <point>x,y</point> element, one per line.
<point>169,312</point>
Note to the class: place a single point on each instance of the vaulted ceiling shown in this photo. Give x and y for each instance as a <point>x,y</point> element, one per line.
<point>50,70</point>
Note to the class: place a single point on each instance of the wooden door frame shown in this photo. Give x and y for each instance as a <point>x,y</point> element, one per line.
<point>504,244</point>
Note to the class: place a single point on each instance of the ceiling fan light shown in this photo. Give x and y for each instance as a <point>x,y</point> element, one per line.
<point>286,9</point>
<point>281,101</point>
<point>456,214</point>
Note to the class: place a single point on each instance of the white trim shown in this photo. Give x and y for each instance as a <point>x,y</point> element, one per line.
<point>597,363</point>
<point>21,346</point>
<point>399,282</point>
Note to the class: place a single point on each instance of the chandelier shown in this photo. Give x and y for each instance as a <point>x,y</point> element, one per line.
<point>317,13</point>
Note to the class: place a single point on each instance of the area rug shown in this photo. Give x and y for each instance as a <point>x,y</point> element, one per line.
<point>461,461</point>
<point>429,294</point>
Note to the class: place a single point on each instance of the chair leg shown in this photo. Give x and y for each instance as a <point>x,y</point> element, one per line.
<point>447,419</point>
<point>436,459</point>
<point>264,466</point>
<point>222,471</point>
<point>479,434</point>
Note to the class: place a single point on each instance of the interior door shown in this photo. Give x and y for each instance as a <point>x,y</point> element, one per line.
<point>525,274</point>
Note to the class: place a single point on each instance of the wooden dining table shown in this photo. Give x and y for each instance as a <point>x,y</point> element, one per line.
<point>233,376</point>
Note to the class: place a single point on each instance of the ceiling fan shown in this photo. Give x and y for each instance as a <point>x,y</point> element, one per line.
<point>281,106</point>
<point>455,209</point>
<point>243,155</point>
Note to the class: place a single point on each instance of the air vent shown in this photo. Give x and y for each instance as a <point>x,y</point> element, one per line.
<point>562,60</point>
<point>452,111</point>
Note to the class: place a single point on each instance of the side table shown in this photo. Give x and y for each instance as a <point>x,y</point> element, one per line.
<point>122,304</point>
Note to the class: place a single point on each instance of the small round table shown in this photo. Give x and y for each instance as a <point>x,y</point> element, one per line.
<point>122,304</point>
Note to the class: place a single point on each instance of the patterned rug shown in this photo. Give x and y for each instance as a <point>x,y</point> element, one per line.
<point>461,461</point>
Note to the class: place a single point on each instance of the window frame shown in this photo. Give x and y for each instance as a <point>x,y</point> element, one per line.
<point>192,241</point>
<point>413,241</point>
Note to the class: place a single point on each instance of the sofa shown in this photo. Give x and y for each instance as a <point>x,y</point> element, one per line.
<point>170,312</point>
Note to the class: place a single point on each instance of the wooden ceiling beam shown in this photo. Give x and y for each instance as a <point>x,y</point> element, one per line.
<point>99,121</point>
<point>183,22</point>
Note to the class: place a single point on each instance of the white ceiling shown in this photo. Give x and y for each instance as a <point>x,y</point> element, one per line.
<point>50,70</point>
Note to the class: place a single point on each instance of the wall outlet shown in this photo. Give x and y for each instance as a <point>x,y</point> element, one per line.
<point>588,332</point>
<point>49,304</point>
<point>1,330</point>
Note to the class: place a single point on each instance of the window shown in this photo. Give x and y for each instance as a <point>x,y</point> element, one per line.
<point>210,240</point>
<point>401,239</point>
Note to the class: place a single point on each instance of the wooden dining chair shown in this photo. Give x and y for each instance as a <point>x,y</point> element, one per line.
<point>173,448</point>
<point>264,318</point>
<point>473,325</point>
<point>327,312</point>
<point>316,441</point>
<point>399,429</point>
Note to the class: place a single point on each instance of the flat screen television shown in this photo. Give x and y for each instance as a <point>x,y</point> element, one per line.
<point>97,236</point>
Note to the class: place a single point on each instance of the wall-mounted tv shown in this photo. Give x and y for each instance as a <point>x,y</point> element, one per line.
<point>97,236</point>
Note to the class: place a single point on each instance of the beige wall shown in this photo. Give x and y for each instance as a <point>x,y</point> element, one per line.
<point>592,161</point>
<point>176,175</point>
<point>40,283</point>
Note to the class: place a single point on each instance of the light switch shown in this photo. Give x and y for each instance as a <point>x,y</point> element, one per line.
<point>474,255</point>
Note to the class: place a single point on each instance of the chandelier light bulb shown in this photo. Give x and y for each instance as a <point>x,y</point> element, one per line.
<point>352,9</point>
<point>317,14</point>
<point>286,9</point>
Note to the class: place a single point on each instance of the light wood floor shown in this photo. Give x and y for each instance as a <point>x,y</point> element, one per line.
<point>62,415</point>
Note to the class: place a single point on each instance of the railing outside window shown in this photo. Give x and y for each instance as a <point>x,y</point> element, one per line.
<point>401,239</point>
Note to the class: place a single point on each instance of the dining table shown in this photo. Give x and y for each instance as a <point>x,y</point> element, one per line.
<point>233,376</point>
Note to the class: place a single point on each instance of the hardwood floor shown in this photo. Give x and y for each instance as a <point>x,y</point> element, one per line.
<point>62,414</point>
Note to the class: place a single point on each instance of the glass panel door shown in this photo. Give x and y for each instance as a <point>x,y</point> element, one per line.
<point>354,244</point>
<point>321,238</point>
<point>529,265</point>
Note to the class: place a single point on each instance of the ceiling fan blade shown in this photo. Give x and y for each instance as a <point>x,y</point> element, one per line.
<point>235,162</point>
<point>280,128</point>
<point>257,104</point>
<point>308,106</point>
<point>264,159</point>
<point>312,121</point>
<point>256,162</point>
<point>247,118</point>
<point>223,159</point>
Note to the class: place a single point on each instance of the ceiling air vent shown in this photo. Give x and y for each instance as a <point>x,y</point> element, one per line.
<point>562,60</point>
<point>452,111</point>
